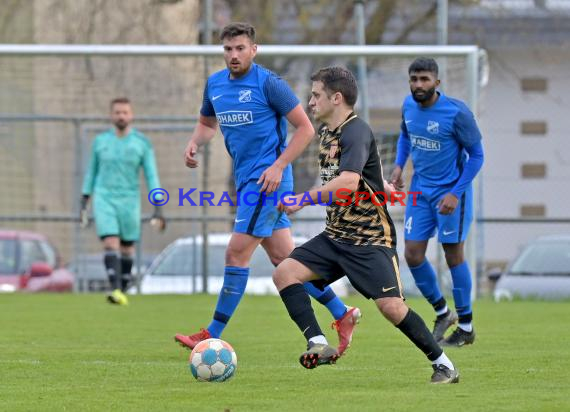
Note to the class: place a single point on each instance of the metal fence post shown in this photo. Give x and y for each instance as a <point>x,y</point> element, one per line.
<point>138,258</point>
<point>206,157</point>
<point>472,252</point>
<point>78,284</point>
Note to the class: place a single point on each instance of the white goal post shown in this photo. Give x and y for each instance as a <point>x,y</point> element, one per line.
<point>470,53</point>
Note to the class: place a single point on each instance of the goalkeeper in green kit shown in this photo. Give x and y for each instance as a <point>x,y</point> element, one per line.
<point>112,178</point>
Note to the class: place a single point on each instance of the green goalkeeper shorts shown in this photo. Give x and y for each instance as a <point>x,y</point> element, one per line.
<point>118,217</point>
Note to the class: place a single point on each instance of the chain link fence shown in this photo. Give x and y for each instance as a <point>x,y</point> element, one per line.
<point>44,156</point>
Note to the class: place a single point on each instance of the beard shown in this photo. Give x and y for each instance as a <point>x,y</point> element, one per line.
<point>121,125</point>
<point>238,70</point>
<point>427,95</point>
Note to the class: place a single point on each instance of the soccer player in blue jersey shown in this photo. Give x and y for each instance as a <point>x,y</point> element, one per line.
<point>444,141</point>
<point>117,156</point>
<point>252,106</point>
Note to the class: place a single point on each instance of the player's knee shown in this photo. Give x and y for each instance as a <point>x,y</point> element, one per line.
<point>284,275</point>
<point>236,257</point>
<point>454,261</point>
<point>111,243</point>
<point>414,257</point>
<point>276,259</point>
<point>280,277</point>
<point>393,309</point>
<point>454,257</point>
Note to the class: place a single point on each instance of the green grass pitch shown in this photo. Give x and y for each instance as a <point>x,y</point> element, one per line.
<point>76,352</point>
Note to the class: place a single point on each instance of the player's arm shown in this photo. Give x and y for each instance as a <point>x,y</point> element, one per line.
<point>388,187</point>
<point>303,135</point>
<point>304,132</point>
<point>282,99</point>
<point>153,182</point>
<point>471,168</point>
<point>476,157</point>
<point>355,148</point>
<point>469,137</point>
<point>204,132</point>
<point>336,189</point>
<point>402,152</point>
<point>88,185</point>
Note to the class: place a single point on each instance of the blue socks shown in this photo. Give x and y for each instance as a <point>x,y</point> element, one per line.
<point>426,281</point>
<point>328,298</point>
<point>461,277</point>
<point>235,280</point>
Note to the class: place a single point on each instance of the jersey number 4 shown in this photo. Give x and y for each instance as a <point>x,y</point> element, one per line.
<point>408,225</point>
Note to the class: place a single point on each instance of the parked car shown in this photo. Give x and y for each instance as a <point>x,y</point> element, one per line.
<point>178,269</point>
<point>541,270</point>
<point>29,262</point>
<point>90,271</point>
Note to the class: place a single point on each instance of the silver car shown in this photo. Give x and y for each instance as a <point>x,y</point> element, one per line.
<point>542,270</point>
<point>178,269</point>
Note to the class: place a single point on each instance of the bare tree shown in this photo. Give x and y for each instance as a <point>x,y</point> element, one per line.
<point>327,21</point>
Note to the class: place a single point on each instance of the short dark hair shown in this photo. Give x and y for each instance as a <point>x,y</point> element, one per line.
<point>424,64</point>
<point>338,79</point>
<point>120,100</point>
<point>237,29</point>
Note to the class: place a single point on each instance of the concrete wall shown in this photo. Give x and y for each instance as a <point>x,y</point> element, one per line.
<point>503,107</point>
<point>37,162</point>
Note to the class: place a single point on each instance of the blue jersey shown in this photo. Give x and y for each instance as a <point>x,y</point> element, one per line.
<point>437,137</point>
<point>251,111</point>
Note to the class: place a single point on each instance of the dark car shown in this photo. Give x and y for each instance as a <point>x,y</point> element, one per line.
<point>29,262</point>
<point>542,270</point>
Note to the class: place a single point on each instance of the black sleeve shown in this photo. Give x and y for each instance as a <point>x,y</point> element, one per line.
<point>354,147</point>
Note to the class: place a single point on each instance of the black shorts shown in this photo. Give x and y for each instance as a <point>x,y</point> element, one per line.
<point>372,270</point>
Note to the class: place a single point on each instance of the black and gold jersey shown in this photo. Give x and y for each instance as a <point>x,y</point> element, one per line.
<point>352,147</point>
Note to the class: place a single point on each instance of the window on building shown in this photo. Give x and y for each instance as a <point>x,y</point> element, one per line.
<point>537,210</point>
<point>533,170</point>
<point>534,128</point>
<point>534,84</point>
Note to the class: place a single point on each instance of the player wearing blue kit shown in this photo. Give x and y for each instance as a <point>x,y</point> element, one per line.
<point>444,141</point>
<point>252,106</point>
<point>112,176</point>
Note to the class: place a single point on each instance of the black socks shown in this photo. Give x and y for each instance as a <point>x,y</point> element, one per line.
<point>126,269</point>
<point>113,268</point>
<point>416,330</point>
<point>298,304</point>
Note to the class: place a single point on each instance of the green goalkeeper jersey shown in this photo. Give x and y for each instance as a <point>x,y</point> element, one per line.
<point>115,165</point>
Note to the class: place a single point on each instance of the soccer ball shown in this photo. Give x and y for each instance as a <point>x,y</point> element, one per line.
<point>213,360</point>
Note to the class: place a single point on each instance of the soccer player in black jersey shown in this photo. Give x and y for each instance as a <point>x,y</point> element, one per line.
<point>359,240</point>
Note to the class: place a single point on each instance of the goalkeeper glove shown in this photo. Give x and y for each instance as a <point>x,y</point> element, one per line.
<point>83,215</point>
<point>158,220</point>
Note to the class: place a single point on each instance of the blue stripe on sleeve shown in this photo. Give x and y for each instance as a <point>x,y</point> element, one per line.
<point>472,167</point>
<point>279,95</point>
<point>207,107</point>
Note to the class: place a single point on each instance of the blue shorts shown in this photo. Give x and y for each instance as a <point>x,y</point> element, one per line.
<point>423,218</point>
<point>257,213</point>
